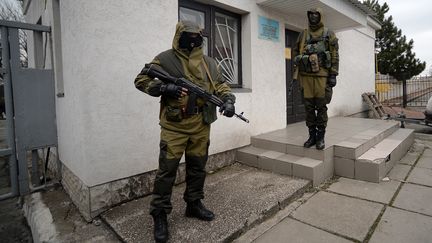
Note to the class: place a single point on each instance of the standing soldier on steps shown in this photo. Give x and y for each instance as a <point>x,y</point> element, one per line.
<point>185,122</point>
<point>316,67</point>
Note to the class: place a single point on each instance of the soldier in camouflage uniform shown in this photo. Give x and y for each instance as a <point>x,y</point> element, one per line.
<point>316,66</point>
<point>185,123</point>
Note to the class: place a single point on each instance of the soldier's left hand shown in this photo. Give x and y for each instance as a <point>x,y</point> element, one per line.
<point>227,109</point>
<point>331,81</point>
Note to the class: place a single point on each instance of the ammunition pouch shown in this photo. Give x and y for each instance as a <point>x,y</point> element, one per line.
<point>209,113</point>
<point>303,63</point>
<point>173,114</point>
<point>314,63</point>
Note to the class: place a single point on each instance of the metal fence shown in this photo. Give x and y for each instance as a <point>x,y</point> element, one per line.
<point>391,91</point>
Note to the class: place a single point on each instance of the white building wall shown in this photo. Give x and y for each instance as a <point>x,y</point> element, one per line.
<point>356,71</point>
<point>109,130</point>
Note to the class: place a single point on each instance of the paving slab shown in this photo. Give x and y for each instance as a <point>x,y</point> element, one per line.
<point>293,231</point>
<point>399,226</point>
<point>421,176</point>
<point>399,172</point>
<point>239,195</point>
<point>379,192</point>
<point>427,153</point>
<point>415,198</point>
<point>409,159</point>
<point>258,230</point>
<point>346,216</point>
<point>425,162</point>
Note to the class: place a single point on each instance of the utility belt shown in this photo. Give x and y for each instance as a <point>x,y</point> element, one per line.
<point>177,114</point>
<point>313,62</point>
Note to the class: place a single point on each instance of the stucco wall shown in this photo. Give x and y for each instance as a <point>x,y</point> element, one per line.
<point>109,130</point>
<point>356,71</point>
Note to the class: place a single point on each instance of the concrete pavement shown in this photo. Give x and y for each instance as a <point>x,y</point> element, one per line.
<point>259,202</point>
<point>395,210</point>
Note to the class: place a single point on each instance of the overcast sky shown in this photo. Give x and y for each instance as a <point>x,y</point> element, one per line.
<point>414,18</point>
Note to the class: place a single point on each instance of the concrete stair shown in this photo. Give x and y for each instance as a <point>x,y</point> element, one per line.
<point>375,163</point>
<point>351,144</point>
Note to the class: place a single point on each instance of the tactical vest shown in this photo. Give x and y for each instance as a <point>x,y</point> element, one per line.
<point>170,62</point>
<point>314,53</point>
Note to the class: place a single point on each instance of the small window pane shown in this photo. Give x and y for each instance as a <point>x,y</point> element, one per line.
<point>226,46</point>
<point>205,45</point>
<point>193,15</point>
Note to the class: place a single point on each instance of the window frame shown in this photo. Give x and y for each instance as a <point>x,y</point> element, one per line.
<point>210,30</point>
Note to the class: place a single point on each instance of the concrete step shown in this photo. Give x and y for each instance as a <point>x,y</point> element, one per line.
<point>282,163</point>
<point>358,144</point>
<point>240,196</point>
<point>377,161</point>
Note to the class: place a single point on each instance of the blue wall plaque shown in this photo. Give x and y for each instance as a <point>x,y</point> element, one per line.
<point>268,29</point>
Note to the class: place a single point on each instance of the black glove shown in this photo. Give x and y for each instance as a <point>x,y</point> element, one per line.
<point>331,81</point>
<point>172,90</point>
<point>227,108</point>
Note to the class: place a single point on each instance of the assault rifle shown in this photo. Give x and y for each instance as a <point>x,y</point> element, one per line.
<point>156,72</point>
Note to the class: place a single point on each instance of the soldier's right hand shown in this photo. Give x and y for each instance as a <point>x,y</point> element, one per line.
<point>173,90</point>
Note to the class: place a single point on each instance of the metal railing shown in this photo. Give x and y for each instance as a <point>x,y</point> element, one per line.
<point>391,92</point>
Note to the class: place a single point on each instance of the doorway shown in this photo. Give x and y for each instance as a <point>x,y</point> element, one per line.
<point>294,100</point>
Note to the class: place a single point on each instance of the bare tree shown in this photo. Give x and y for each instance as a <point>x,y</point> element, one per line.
<point>12,11</point>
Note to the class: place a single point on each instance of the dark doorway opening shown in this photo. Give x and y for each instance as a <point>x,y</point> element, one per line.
<point>294,100</point>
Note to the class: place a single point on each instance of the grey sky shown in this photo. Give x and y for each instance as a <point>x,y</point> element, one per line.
<point>415,20</point>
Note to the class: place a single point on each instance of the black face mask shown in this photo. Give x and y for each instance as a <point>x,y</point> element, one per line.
<point>188,42</point>
<point>314,18</point>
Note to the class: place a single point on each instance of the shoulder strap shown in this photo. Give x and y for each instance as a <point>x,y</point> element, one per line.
<point>208,74</point>
<point>303,41</point>
<point>308,36</point>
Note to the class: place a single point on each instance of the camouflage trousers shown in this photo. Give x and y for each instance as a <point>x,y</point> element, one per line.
<point>316,112</point>
<point>316,95</point>
<point>172,146</point>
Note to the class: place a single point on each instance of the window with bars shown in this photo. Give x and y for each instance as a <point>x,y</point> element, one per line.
<point>222,36</point>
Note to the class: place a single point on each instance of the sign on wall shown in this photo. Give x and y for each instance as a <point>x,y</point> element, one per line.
<point>268,29</point>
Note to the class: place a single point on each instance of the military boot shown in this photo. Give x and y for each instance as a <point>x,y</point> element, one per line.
<point>197,210</point>
<point>320,138</point>
<point>160,226</point>
<point>312,137</point>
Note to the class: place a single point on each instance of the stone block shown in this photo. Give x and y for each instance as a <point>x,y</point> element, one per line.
<point>310,169</point>
<point>249,155</point>
<point>268,144</point>
<point>283,167</point>
<point>267,160</point>
<point>297,150</point>
<point>345,150</point>
<point>372,171</point>
<point>344,167</point>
